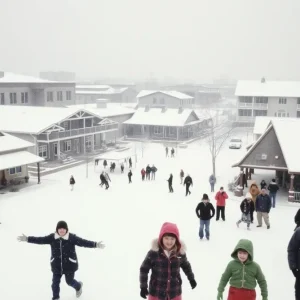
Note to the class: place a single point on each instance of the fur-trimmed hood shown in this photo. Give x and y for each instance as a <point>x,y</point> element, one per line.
<point>155,246</point>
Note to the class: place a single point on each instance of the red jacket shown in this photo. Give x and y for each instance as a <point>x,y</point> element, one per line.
<point>221,198</point>
<point>143,172</point>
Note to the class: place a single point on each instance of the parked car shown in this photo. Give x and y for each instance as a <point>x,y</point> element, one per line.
<point>235,143</point>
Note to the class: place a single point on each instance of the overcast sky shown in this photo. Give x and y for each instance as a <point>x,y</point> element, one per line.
<point>184,39</point>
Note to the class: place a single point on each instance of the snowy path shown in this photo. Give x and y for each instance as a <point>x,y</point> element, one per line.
<point>127,218</point>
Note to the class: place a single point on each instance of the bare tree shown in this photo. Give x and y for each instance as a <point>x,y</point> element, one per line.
<point>218,132</point>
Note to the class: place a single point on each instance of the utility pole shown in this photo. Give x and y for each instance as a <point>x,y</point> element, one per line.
<point>87,162</point>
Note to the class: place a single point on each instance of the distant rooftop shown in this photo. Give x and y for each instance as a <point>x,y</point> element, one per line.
<point>174,94</point>
<point>92,87</point>
<point>11,143</point>
<point>109,91</point>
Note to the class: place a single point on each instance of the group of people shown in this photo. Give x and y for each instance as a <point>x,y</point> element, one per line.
<point>148,172</point>
<point>172,152</point>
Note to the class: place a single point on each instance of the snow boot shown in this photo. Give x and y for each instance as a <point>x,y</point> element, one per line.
<point>268,227</point>
<point>78,293</point>
<point>258,225</point>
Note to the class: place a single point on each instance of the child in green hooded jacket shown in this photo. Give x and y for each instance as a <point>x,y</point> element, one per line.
<point>243,273</point>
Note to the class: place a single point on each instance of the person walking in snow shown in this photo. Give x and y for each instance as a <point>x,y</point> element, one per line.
<point>212,182</point>
<point>221,197</point>
<point>172,152</point>
<point>104,163</point>
<point>181,176</point>
<point>72,182</point>
<point>246,207</point>
<point>122,167</point>
<point>188,181</point>
<point>153,171</point>
<point>129,176</point>
<point>104,179</point>
<point>130,162</point>
<point>63,255</point>
<point>166,257</point>
<point>143,172</point>
<point>273,188</point>
<point>148,171</point>
<point>205,211</point>
<point>263,207</point>
<point>243,273</point>
<point>167,152</point>
<point>294,260</point>
<point>170,183</point>
<point>263,184</point>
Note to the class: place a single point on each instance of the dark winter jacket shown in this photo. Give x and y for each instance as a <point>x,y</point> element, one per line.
<point>129,173</point>
<point>263,185</point>
<point>205,211</point>
<point>165,281</point>
<point>170,180</point>
<point>148,169</point>
<point>247,206</point>
<point>294,251</point>
<point>212,179</point>
<point>273,187</point>
<point>63,254</point>
<point>263,203</point>
<point>102,178</point>
<point>188,180</point>
<point>72,180</point>
<point>181,174</point>
<point>153,169</point>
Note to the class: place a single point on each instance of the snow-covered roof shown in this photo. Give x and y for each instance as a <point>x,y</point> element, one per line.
<point>12,143</point>
<point>174,94</point>
<point>112,109</point>
<point>19,78</point>
<point>109,91</point>
<point>93,87</point>
<point>19,158</point>
<point>156,117</point>
<point>268,88</point>
<point>32,119</point>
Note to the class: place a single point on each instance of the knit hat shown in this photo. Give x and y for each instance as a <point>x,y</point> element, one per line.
<point>248,196</point>
<point>62,224</point>
<point>205,197</point>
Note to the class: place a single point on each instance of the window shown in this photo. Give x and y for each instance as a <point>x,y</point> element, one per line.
<point>13,98</point>
<point>245,99</point>
<point>59,96</point>
<point>67,146</point>
<point>298,100</point>
<point>2,99</point>
<point>282,114</point>
<point>43,151</point>
<point>245,112</point>
<point>24,97</point>
<point>158,130</point>
<point>154,100</point>
<point>172,131</point>
<point>282,100</point>
<point>88,141</point>
<point>49,96</point>
<point>69,95</point>
<point>261,100</point>
<point>257,113</point>
<point>15,170</point>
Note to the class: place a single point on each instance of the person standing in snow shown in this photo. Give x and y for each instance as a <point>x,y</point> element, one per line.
<point>243,273</point>
<point>205,211</point>
<point>148,171</point>
<point>263,207</point>
<point>104,163</point>
<point>153,171</point>
<point>167,152</point>
<point>122,167</point>
<point>63,255</point>
<point>170,183</point>
<point>263,184</point>
<point>166,257</point>
<point>129,176</point>
<point>181,176</point>
<point>130,162</point>
<point>294,260</point>
<point>143,172</point>
<point>72,182</point>
<point>246,206</point>
<point>212,182</point>
<point>221,197</point>
<point>273,188</point>
<point>172,152</point>
<point>188,181</point>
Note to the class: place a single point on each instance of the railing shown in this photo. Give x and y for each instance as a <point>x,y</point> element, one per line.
<point>245,104</point>
<point>245,118</point>
<point>297,196</point>
<point>77,132</point>
<point>260,105</point>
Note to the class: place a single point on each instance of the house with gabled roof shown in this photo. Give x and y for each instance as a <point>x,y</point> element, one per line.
<point>14,159</point>
<point>169,99</point>
<point>165,124</point>
<point>276,150</point>
<point>57,132</point>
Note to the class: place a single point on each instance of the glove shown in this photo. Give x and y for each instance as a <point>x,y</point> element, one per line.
<point>295,272</point>
<point>144,293</point>
<point>193,283</point>
<point>220,296</point>
<point>23,238</point>
<point>100,245</point>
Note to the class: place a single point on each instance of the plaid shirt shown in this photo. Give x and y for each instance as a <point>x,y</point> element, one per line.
<point>165,281</point>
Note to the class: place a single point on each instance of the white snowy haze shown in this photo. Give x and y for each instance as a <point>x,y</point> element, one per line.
<point>191,39</point>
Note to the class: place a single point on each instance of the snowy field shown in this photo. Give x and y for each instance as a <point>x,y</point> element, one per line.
<point>127,217</point>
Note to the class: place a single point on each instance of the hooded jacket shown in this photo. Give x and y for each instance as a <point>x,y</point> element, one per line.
<point>243,275</point>
<point>165,281</point>
<point>205,211</point>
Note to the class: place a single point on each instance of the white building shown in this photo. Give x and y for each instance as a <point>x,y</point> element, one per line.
<point>267,98</point>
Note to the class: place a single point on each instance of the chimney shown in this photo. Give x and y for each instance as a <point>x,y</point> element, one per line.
<point>147,108</point>
<point>180,109</point>
<point>2,73</point>
<point>102,103</point>
<point>164,109</point>
<point>263,80</point>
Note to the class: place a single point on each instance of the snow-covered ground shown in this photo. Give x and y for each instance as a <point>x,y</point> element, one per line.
<point>127,217</point>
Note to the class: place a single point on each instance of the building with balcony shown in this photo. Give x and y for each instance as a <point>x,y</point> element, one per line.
<point>267,98</point>
<point>169,99</point>
<point>207,95</point>
<point>24,90</point>
<point>57,132</point>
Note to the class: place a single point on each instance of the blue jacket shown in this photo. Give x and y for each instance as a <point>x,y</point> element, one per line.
<point>263,203</point>
<point>294,250</point>
<point>63,254</point>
